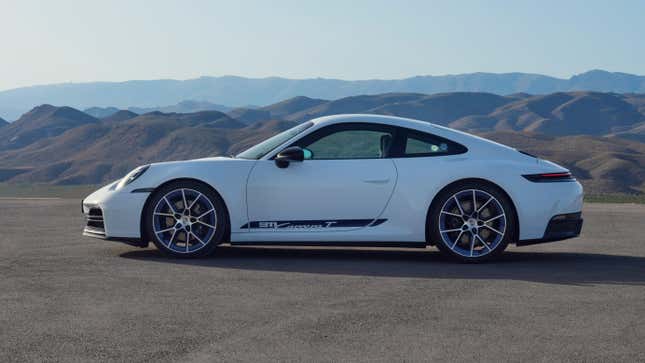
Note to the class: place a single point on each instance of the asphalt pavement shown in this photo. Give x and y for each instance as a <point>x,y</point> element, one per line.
<point>71,298</point>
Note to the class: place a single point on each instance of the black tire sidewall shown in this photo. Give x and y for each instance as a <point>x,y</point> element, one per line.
<point>215,199</point>
<point>433,217</point>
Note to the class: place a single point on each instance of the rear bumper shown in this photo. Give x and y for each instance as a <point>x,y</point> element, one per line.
<point>560,227</point>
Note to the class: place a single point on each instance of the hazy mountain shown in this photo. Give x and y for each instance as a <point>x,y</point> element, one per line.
<point>599,80</point>
<point>291,106</point>
<point>185,106</point>
<point>104,151</point>
<point>44,121</point>
<point>250,115</point>
<point>3,122</point>
<point>118,116</point>
<point>569,113</point>
<point>637,100</point>
<point>101,112</point>
<point>240,91</point>
<point>573,113</point>
<point>438,108</point>
<point>597,135</point>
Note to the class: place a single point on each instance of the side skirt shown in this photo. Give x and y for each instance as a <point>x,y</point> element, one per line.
<point>335,244</point>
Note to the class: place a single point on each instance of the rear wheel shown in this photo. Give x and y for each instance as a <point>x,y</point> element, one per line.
<point>185,219</point>
<point>472,221</point>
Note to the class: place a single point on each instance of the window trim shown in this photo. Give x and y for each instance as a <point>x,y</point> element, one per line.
<point>397,149</point>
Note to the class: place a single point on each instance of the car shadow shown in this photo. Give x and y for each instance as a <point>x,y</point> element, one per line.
<point>546,267</point>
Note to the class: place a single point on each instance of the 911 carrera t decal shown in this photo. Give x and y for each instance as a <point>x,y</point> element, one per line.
<point>313,224</point>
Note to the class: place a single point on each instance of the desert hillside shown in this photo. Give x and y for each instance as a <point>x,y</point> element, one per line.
<point>599,136</point>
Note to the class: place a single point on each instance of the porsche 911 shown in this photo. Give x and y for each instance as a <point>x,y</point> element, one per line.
<point>346,180</point>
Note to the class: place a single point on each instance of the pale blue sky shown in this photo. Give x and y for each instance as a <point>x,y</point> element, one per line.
<point>77,41</point>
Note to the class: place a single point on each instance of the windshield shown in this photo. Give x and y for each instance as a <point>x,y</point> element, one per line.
<point>271,143</point>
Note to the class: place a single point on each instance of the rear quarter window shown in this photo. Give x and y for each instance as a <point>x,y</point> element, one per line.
<point>416,143</point>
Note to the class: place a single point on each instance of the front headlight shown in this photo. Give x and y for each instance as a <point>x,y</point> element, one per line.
<point>132,176</point>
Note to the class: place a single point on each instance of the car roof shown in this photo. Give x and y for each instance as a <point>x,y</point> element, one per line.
<point>469,140</point>
<point>380,119</point>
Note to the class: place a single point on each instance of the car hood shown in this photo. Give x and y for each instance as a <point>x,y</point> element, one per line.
<point>189,161</point>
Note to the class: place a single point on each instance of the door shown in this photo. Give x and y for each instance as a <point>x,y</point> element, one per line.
<point>344,183</point>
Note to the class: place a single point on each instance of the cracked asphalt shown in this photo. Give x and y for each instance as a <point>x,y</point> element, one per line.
<point>70,298</point>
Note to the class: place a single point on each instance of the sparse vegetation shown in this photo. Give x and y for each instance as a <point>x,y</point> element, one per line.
<point>615,198</point>
<point>9,190</point>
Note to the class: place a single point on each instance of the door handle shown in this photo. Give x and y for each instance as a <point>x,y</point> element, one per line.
<point>376,181</point>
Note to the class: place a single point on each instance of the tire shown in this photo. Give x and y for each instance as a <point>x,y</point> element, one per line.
<point>472,231</point>
<point>185,219</point>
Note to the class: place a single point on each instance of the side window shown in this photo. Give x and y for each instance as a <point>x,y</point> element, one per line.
<point>421,144</point>
<point>353,142</point>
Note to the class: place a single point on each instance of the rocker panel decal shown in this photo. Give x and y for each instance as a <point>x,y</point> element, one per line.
<point>313,224</point>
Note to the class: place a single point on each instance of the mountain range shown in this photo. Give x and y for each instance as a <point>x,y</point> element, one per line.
<point>185,106</point>
<point>599,136</point>
<point>239,91</point>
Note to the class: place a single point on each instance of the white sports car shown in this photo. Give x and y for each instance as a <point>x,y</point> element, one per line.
<point>346,180</point>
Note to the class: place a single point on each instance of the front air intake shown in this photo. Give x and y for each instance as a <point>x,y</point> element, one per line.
<point>94,224</point>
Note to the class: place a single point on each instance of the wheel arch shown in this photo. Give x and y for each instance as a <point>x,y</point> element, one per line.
<point>227,233</point>
<point>435,200</point>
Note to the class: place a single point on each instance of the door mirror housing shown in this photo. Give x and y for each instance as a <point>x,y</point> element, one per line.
<point>288,155</point>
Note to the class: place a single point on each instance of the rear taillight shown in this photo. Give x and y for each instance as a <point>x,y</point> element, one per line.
<point>550,177</point>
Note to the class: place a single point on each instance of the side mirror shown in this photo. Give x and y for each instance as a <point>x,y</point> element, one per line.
<point>290,154</point>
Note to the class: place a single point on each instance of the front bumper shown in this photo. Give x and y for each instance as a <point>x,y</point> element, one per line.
<point>112,214</point>
<point>95,226</point>
<point>560,227</point>
<point>94,223</point>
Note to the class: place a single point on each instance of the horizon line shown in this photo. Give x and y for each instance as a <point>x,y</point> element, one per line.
<point>314,78</point>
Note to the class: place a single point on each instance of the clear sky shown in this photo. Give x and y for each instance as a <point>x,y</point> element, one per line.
<point>77,41</point>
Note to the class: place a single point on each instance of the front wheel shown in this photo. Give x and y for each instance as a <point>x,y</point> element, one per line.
<point>472,221</point>
<point>185,219</point>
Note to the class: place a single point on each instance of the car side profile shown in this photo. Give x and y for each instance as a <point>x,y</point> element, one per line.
<point>351,180</point>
